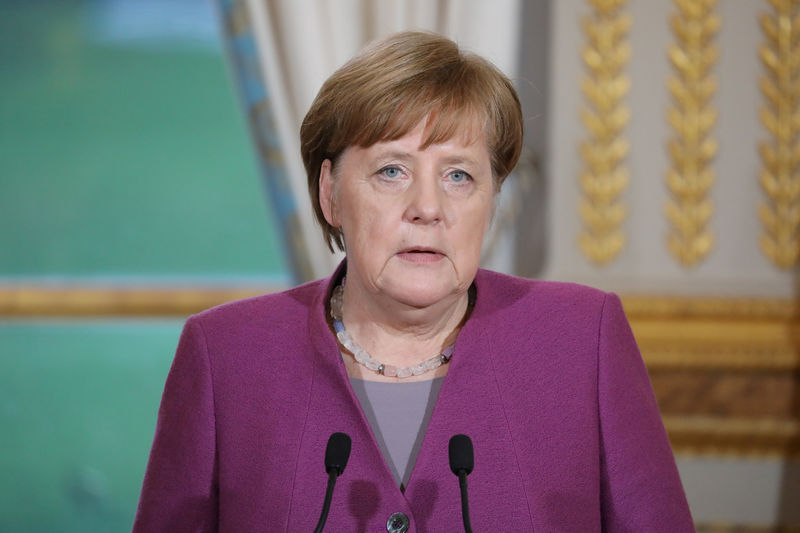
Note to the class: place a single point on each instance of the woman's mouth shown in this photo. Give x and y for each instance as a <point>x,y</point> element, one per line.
<point>421,255</point>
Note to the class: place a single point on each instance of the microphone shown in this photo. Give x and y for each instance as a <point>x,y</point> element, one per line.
<point>462,461</point>
<point>337,452</point>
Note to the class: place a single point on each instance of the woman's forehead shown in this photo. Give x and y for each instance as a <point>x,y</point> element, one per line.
<point>435,129</point>
<point>424,134</point>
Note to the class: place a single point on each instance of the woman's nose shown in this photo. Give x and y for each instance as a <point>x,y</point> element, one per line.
<point>425,202</point>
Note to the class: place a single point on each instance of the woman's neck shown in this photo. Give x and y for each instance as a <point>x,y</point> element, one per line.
<point>399,334</point>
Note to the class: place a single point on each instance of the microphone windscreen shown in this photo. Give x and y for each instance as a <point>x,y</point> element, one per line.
<point>461,455</point>
<point>337,452</point>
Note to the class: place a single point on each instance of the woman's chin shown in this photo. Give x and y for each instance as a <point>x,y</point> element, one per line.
<point>422,282</point>
<point>421,294</point>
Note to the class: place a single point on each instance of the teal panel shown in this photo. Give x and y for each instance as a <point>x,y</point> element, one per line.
<point>123,158</point>
<point>78,405</point>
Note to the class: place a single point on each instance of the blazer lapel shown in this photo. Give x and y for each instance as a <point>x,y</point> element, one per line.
<point>469,403</point>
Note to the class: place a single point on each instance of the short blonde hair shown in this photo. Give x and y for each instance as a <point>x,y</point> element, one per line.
<point>393,85</point>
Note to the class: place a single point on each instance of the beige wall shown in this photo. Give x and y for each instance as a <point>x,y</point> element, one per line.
<point>746,484</point>
<point>736,264</point>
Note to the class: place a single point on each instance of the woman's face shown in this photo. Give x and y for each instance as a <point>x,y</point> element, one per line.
<point>413,220</point>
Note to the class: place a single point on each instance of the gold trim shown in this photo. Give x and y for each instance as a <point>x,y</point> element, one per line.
<point>780,116</point>
<point>718,436</point>
<point>77,301</point>
<point>237,19</point>
<point>672,307</point>
<point>692,147</point>
<point>719,344</point>
<point>30,298</point>
<point>716,333</point>
<point>604,176</point>
<point>714,340</point>
<point>68,299</point>
<point>718,527</point>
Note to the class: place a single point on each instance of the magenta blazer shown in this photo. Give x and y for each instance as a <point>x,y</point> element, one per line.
<point>546,379</point>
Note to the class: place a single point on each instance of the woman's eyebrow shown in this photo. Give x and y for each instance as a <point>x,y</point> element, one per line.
<point>394,154</point>
<point>460,160</point>
<point>401,155</point>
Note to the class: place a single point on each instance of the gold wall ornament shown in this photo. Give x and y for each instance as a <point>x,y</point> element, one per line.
<point>724,527</point>
<point>725,371</point>
<point>691,116</point>
<point>20,301</point>
<point>780,116</point>
<point>603,176</point>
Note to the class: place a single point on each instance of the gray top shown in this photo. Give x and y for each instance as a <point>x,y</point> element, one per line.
<point>399,415</point>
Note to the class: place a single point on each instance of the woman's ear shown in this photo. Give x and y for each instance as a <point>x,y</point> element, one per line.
<point>326,200</point>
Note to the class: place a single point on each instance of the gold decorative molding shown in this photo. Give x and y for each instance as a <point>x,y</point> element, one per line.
<point>726,372</point>
<point>716,333</point>
<point>236,19</point>
<point>656,306</point>
<point>780,116</point>
<point>69,299</point>
<point>718,527</point>
<point>604,176</point>
<point>715,436</point>
<point>719,344</point>
<point>691,116</point>
<point>80,301</point>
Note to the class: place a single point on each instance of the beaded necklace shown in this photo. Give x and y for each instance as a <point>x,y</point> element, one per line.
<point>362,357</point>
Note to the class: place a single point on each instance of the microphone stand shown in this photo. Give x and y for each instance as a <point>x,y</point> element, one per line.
<point>337,452</point>
<point>326,505</point>
<point>462,483</point>
<point>462,461</point>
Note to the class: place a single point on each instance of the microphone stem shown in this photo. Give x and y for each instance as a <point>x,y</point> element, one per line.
<point>332,475</point>
<point>462,482</point>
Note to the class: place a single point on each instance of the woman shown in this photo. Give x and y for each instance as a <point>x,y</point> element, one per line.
<point>405,148</point>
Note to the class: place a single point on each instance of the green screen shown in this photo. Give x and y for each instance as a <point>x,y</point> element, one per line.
<point>126,157</point>
<point>78,404</point>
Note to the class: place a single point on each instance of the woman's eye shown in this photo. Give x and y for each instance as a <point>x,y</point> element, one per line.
<point>390,172</point>
<point>458,176</point>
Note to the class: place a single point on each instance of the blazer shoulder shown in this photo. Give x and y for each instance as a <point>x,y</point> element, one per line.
<point>281,307</point>
<point>531,292</point>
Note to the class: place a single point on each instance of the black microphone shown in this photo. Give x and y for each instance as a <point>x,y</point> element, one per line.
<point>462,460</point>
<point>337,452</point>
